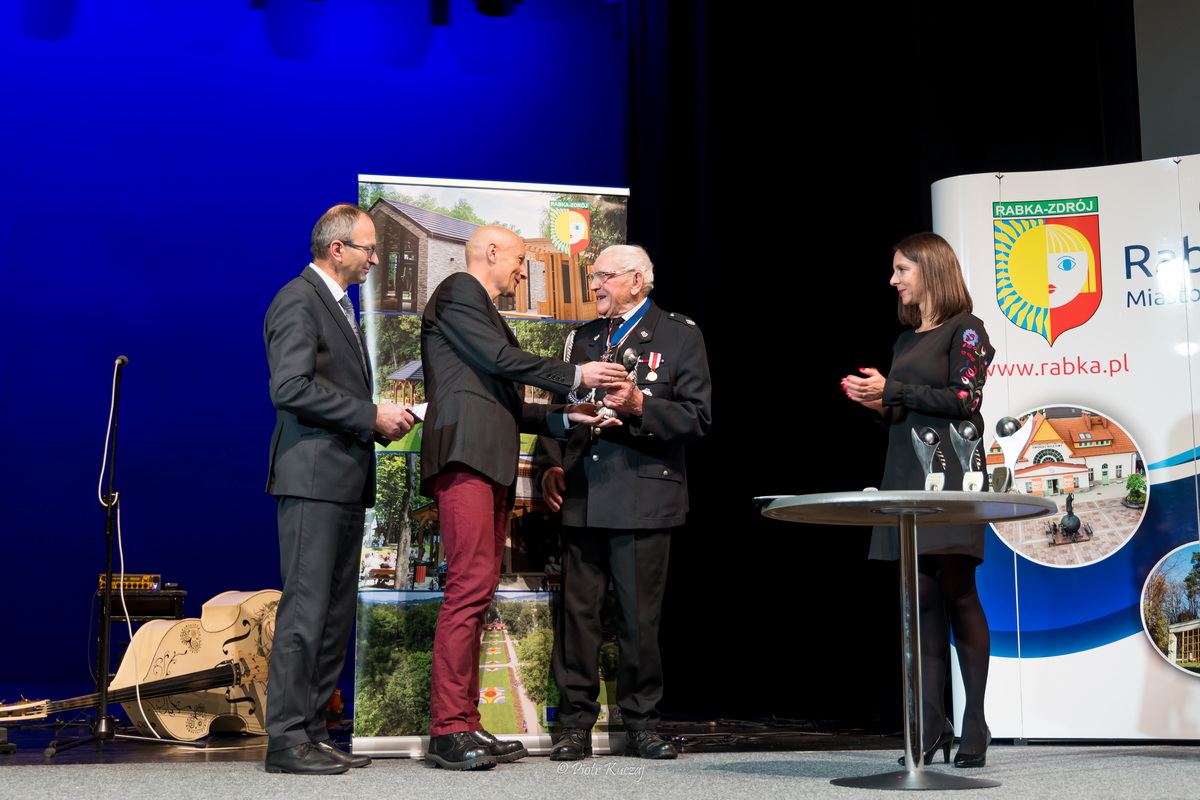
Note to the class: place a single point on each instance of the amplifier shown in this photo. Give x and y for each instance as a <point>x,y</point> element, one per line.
<point>145,606</point>
<point>130,580</point>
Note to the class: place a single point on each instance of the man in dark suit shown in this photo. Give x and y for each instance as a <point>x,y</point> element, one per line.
<point>323,478</point>
<point>474,370</point>
<point>621,491</point>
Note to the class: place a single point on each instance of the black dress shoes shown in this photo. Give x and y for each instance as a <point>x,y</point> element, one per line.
<point>973,760</point>
<point>942,743</point>
<point>575,744</point>
<point>646,744</point>
<point>458,750</point>
<point>303,759</point>
<point>341,756</point>
<point>503,752</point>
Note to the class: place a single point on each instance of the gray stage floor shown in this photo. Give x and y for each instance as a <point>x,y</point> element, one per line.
<point>1038,771</point>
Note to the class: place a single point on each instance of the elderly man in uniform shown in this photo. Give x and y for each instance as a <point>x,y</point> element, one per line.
<point>474,375</point>
<point>621,491</point>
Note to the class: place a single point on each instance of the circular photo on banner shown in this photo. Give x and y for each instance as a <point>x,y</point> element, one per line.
<point>1171,608</point>
<point>1091,467</point>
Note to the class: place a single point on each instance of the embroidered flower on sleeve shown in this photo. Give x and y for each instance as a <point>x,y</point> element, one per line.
<point>973,371</point>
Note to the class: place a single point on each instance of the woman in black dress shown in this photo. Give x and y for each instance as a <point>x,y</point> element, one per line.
<point>936,380</point>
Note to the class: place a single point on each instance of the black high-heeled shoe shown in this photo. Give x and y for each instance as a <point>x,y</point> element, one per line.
<point>942,742</point>
<point>971,760</point>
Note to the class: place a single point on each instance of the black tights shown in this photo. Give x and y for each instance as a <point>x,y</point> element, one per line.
<point>948,600</point>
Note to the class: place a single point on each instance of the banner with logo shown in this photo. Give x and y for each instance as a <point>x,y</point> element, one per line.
<point>1086,283</point>
<point>421,228</point>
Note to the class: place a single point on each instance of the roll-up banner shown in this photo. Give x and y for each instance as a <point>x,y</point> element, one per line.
<point>421,227</point>
<point>1087,283</point>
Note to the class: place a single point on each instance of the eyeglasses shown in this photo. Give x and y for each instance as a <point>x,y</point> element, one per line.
<point>370,251</point>
<point>601,277</point>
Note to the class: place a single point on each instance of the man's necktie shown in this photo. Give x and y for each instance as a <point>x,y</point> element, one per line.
<point>348,310</point>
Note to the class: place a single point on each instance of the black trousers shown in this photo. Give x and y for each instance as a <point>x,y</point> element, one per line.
<point>319,548</point>
<point>636,560</point>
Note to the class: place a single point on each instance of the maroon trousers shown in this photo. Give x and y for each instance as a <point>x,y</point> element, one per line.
<point>473,513</point>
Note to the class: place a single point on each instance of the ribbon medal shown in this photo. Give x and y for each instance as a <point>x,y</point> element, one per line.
<point>653,363</point>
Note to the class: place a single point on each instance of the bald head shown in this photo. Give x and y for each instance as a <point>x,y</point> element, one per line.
<point>496,256</point>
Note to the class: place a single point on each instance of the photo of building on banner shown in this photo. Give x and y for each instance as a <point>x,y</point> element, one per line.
<point>1091,467</point>
<point>1171,608</point>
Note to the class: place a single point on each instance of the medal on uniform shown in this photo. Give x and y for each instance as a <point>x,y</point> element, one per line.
<point>653,363</point>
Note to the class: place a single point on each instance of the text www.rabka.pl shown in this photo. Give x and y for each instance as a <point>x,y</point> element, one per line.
<point>1064,366</point>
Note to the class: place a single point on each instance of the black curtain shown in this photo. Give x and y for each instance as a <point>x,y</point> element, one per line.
<point>773,161</point>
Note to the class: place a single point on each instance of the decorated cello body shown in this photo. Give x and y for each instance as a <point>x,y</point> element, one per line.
<point>232,626</point>
<point>184,679</point>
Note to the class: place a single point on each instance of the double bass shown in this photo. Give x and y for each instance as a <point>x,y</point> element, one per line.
<point>194,676</point>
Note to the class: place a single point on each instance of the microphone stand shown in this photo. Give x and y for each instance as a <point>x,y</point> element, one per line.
<point>103,728</point>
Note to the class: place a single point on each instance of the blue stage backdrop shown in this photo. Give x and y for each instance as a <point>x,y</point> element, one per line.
<point>164,167</point>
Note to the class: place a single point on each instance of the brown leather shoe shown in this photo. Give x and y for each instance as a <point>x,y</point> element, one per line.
<point>503,751</point>
<point>458,750</point>
<point>341,756</point>
<point>647,744</point>
<point>303,759</point>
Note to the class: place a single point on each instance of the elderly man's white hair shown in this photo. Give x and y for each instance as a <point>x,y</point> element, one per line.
<point>630,256</point>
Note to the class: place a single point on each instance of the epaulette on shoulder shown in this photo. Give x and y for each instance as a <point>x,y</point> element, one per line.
<point>681,318</point>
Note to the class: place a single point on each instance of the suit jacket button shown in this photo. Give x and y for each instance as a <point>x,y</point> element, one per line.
<point>595,457</point>
<point>666,472</point>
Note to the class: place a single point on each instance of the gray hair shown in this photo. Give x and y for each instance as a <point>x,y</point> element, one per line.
<point>335,225</point>
<point>630,257</point>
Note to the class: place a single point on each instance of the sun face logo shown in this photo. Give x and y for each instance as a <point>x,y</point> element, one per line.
<point>570,227</point>
<point>1047,266</point>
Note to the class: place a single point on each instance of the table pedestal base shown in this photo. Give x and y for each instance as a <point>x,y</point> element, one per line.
<point>919,780</point>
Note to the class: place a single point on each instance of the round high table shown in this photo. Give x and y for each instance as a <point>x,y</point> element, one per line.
<point>903,509</point>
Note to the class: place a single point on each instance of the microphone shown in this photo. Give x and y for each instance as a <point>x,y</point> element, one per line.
<point>122,361</point>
